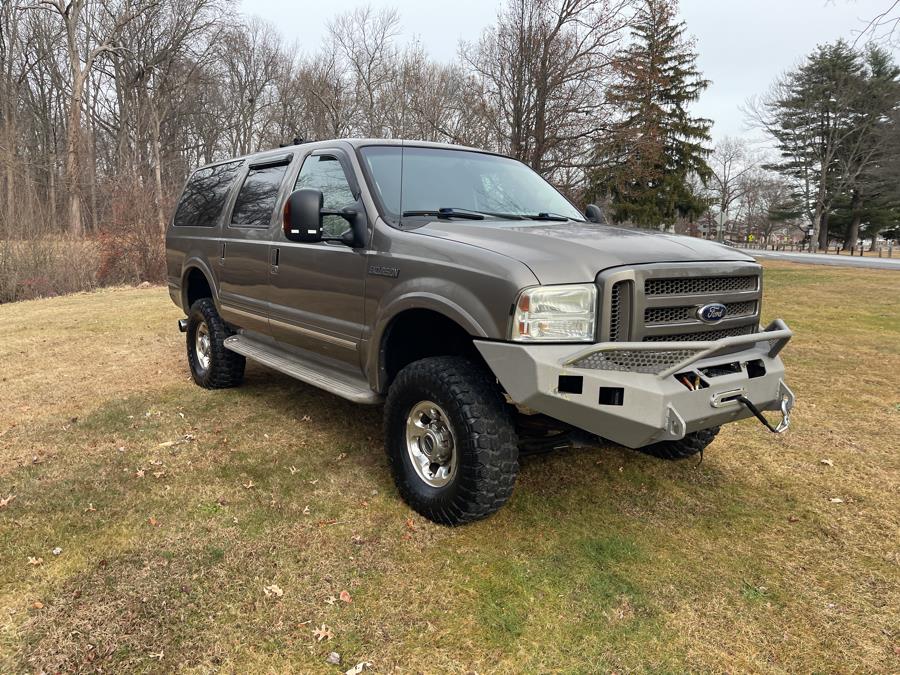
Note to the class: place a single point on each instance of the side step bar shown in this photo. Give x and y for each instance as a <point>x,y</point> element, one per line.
<point>345,385</point>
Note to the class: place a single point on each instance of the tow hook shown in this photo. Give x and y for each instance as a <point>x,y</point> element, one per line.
<point>787,404</point>
<point>182,325</point>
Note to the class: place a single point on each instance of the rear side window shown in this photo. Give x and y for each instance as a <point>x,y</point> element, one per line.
<point>205,195</point>
<point>257,197</point>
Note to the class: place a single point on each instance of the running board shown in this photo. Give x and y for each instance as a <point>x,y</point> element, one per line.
<point>346,386</point>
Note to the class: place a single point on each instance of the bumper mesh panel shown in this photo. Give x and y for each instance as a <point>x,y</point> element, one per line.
<point>635,361</point>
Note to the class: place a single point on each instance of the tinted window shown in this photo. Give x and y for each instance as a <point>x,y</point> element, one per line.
<point>256,199</point>
<point>325,173</point>
<point>205,195</point>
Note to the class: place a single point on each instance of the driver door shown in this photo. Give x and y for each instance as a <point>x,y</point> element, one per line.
<point>317,289</point>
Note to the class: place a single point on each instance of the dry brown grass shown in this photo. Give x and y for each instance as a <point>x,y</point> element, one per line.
<point>603,560</point>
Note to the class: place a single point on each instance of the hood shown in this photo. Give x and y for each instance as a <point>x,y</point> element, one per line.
<point>574,252</point>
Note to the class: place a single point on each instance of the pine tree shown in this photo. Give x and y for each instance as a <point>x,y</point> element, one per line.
<point>646,161</point>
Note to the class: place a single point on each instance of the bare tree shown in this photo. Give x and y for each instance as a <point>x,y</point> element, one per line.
<point>365,40</point>
<point>91,29</point>
<point>543,68</point>
<point>731,161</point>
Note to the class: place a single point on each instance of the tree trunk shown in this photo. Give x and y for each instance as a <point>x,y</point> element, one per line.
<point>76,226</point>
<point>823,232</point>
<point>157,168</point>
<point>853,232</point>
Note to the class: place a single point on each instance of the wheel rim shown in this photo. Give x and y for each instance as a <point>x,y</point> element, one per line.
<point>431,444</point>
<point>201,346</point>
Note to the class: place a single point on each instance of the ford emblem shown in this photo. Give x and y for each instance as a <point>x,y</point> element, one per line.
<point>712,313</point>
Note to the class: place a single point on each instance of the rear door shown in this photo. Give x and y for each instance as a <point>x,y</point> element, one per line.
<point>244,262</point>
<point>317,290</point>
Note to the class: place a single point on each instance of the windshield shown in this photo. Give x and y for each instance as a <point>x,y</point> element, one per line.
<point>415,181</point>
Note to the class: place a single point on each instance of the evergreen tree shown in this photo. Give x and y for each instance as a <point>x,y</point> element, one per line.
<point>646,161</point>
<point>828,118</point>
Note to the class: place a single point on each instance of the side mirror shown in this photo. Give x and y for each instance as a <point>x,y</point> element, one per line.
<point>303,216</point>
<point>594,214</point>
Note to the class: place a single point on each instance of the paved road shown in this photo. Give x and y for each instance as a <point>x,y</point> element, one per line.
<point>834,260</point>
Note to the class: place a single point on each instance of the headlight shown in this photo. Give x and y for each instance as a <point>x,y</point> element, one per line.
<point>555,314</point>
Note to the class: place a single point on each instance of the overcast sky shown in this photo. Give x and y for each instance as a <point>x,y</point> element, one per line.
<point>743,44</point>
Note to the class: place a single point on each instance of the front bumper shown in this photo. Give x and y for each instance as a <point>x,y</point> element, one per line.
<point>638,393</point>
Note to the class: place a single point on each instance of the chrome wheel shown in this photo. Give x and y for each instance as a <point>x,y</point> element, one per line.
<point>201,346</point>
<point>431,444</point>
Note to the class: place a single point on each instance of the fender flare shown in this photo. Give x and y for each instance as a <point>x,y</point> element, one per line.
<point>197,263</point>
<point>413,300</point>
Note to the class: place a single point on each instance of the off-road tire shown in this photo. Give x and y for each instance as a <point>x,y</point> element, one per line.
<point>485,438</point>
<point>226,368</point>
<point>688,446</point>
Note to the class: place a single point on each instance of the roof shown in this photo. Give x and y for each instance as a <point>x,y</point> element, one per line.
<point>353,142</point>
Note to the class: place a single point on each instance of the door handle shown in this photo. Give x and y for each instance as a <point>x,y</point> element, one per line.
<point>273,260</point>
<point>222,256</point>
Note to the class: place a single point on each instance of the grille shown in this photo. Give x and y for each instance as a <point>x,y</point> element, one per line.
<point>615,311</point>
<point>704,336</point>
<point>634,361</point>
<point>700,285</point>
<point>657,315</point>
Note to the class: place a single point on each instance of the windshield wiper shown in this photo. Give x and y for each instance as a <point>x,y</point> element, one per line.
<point>546,216</point>
<point>447,212</point>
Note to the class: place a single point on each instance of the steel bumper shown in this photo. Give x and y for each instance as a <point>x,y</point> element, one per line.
<point>635,393</point>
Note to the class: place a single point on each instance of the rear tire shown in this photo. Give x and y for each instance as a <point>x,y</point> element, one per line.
<point>213,366</point>
<point>688,446</point>
<point>450,440</point>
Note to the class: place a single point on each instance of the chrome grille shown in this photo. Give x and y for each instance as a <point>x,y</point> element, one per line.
<point>700,285</point>
<point>657,315</point>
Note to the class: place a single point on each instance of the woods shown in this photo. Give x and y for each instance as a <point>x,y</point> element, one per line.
<point>107,105</point>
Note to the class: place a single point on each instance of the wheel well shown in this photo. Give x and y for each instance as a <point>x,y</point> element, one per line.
<point>196,286</point>
<point>420,333</point>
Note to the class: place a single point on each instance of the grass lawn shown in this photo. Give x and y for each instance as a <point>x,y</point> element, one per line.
<point>205,531</point>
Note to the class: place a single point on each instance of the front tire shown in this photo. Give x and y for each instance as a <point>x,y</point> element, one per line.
<point>690,445</point>
<point>450,439</point>
<point>213,366</point>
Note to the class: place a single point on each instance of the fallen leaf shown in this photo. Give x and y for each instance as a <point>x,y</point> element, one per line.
<point>293,470</point>
<point>38,604</point>
<point>153,521</point>
<point>410,524</point>
<point>167,444</point>
<point>826,462</point>
<point>359,667</point>
<point>90,508</point>
<point>334,659</point>
<point>836,500</point>
<point>273,591</point>
<point>330,600</point>
<point>341,456</point>
<point>345,597</point>
<point>306,510</point>
<point>323,632</point>
<point>4,502</point>
<point>793,519</point>
<point>35,561</point>
<point>249,485</point>
<point>139,473</point>
<point>56,551</point>
<point>159,474</point>
<point>306,418</point>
